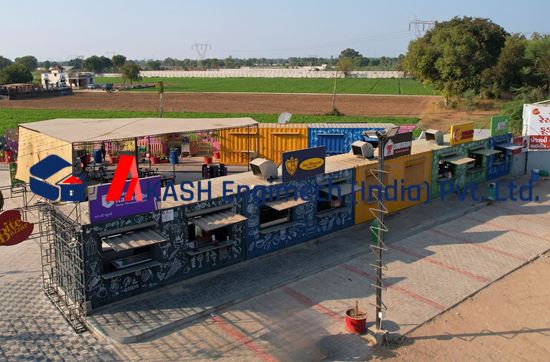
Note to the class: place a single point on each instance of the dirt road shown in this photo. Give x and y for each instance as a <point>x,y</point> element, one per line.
<point>359,105</point>
<point>508,321</point>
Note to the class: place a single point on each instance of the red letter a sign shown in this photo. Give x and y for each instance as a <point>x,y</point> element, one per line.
<point>126,164</point>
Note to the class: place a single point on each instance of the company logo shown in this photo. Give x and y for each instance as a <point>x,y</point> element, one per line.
<point>127,164</point>
<point>68,188</point>
<point>291,165</point>
<point>312,163</point>
<point>13,230</point>
<point>536,111</point>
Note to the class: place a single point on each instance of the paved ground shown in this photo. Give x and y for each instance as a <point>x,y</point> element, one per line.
<point>301,317</point>
<point>507,321</point>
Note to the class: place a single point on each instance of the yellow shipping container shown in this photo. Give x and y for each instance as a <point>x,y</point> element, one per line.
<point>411,170</point>
<point>271,140</point>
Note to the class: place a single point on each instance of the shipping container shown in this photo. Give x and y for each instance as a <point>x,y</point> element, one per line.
<point>407,182</point>
<point>500,160</point>
<point>338,137</point>
<point>238,146</point>
<point>478,150</point>
<point>303,210</point>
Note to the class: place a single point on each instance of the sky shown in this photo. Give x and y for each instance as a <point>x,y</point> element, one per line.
<point>145,29</point>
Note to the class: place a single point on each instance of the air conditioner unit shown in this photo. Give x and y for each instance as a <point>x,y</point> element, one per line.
<point>264,168</point>
<point>434,135</point>
<point>362,149</point>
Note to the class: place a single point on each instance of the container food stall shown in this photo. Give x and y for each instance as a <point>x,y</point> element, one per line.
<point>287,218</point>
<point>338,137</point>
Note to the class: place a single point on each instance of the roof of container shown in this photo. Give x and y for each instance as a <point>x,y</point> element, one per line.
<point>352,125</point>
<point>93,130</point>
<point>284,125</point>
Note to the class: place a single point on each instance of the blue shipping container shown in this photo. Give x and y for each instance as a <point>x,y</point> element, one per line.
<point>338,137</point>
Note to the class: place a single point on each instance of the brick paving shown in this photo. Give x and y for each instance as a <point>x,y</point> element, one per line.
<point>299,315</point>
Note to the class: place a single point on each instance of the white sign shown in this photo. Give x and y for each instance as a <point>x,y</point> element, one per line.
<point>167,215</point>
<point>536,125</point>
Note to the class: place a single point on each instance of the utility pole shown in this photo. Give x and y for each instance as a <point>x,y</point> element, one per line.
<point>161,97</point>
<point>201,49</point>
<point>333,109</point>
<point>421,26</point>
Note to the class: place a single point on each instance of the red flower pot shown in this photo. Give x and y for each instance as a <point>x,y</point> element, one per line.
<point>207,160</point>
<point>356,324</point>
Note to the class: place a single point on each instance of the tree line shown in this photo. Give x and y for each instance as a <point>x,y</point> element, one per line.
<point>474,56</point>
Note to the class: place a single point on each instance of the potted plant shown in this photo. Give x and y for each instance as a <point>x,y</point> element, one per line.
<point>356,320</point>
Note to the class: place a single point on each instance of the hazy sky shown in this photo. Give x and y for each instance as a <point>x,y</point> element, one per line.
<point>143,29</point>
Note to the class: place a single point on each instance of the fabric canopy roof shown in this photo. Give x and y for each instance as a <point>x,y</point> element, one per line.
<point>94,130</point>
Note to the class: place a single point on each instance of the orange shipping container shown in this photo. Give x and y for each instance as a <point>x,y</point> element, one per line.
<point>271,140</point>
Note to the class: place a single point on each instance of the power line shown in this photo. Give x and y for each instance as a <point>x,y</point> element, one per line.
<point>201,49</point>
<point>420,27</point>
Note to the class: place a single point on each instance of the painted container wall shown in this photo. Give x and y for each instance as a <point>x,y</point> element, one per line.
<point>412,170</point>
<point>363,201</point>
<point>409,180</point>
<point>305,223</point>
<point>478,175</point>
<point>176,259</point>
<point>337,138</point>
<point>270,141</point>
<point>278,138</point>
<point>497,168</point>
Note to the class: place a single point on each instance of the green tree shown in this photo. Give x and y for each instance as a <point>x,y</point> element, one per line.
<point>508,72</point>
<point>452,56</point>
<point>4,62</point>
<point>349,53</point>
<point>537,53</point>
<point>118,61</point>
<point>130,71</point>
<point>153,64</point>
<point>76,63</point>
<point>15,73</point>
<point>28,61</point>
<point>345,65</point>
<point>96,64</point>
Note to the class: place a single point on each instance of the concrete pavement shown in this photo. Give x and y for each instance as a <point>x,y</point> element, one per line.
<point>439,254</point>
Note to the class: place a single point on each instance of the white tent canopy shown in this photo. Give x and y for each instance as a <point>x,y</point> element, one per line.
<point>93,130</point>
<point>58,136</point>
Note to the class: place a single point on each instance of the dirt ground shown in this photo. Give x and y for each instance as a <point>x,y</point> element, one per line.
<point>437,116</point>
<point>509,320</point>
<point>356,105</point>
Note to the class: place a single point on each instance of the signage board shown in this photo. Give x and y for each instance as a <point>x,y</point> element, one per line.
<point>522,141</point>
<point>536,125</point>
<point>102,210</point>
<point>301,164</point>
<point>13,230</point>
<point>398,145</point>
<point>462,133</point>
<point>500,125</point>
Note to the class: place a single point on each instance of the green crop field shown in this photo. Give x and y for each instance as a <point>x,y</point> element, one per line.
<point>10,118</point>
<point>286,85</point>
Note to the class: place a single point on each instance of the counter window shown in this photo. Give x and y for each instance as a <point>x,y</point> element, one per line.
<point>333,197</point>
<point>211,228</point>
<point>271,217</point>
<point>129,249</point>
<point>278,211</point>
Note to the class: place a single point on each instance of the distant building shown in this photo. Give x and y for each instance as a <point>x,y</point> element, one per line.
<point>59,77</point>
<point>54,78</point>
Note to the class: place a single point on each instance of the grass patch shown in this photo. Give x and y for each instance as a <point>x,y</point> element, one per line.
<point>10,118</point>
<point>285,85</point>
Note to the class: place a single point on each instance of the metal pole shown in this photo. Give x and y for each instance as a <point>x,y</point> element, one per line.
<point>382,143</point>
<point>248,147</point>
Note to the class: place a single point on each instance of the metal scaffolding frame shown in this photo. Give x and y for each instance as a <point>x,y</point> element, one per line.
<point>62,262</point>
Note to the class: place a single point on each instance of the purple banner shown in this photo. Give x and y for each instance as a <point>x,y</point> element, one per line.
<point>102,210</point>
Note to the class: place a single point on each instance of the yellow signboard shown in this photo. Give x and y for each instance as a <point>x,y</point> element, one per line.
<point>462,133</point>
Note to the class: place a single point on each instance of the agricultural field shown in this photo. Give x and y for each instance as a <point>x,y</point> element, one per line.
<point>286,85</point>
<point>10,118</point>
